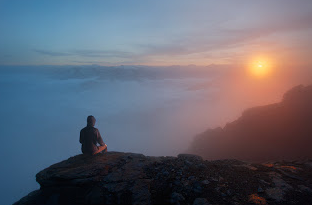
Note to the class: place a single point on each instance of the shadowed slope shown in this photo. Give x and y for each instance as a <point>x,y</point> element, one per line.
<point>277,131</point>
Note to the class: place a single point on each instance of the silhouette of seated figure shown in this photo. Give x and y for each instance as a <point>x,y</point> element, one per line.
<point>89,137</point>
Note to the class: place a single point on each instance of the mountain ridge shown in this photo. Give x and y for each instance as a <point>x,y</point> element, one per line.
<point>271,132</point>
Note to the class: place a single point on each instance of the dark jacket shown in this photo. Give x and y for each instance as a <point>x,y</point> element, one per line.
<point>89,137</point>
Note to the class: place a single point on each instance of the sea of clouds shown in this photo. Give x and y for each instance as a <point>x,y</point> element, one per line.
<point>142,109</point>
<point>138,109</point>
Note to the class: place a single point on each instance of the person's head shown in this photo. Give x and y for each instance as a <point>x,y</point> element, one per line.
<point>91,121</point>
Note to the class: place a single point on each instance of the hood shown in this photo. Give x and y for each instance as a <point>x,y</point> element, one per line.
<point>90,121</point>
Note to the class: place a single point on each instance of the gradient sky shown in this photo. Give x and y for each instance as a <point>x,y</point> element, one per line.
<point>161,32</point>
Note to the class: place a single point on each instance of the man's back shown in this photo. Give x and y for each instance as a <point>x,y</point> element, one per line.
<point>88,140</point>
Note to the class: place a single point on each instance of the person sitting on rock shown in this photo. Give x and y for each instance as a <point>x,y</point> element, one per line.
<point>89,137</point>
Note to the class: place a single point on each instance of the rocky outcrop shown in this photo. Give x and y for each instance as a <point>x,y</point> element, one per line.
<point>127,178</point>
<point>272,132</point>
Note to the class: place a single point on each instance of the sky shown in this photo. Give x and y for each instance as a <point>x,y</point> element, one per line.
<point>177,32</point>
<point>153,73</point>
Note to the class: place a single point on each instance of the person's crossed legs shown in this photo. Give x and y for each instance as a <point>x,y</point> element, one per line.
<point>100,149</point>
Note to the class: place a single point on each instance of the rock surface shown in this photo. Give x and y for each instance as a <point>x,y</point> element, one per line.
<point>127,178</point>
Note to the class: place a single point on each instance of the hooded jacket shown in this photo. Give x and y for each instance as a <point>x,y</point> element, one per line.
<point>89,137</point>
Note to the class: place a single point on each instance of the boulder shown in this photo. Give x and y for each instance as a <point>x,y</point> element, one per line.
<point>126,178</point>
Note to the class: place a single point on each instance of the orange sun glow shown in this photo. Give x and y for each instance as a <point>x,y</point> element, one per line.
<point>260,67</point>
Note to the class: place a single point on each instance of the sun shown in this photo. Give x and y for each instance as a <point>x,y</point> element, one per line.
<point>260,68</point>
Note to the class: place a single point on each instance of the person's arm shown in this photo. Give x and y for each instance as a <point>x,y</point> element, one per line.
<point>99,138</point>
<point>81,137</point>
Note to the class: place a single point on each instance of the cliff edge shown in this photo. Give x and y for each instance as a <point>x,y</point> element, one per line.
<point>127,178</point>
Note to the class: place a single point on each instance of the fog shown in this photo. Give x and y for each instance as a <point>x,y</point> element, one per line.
<point>43,109</point>
<point>275,132</point>
<point>149,110</point>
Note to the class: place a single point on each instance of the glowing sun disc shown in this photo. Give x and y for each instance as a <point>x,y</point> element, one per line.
<point>260,68</point>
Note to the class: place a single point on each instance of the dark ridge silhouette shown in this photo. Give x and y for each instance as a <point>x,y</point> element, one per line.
<point>272,132</point>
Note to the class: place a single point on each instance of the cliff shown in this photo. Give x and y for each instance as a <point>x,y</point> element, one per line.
<point>127,178</point>
<point>272,132</point>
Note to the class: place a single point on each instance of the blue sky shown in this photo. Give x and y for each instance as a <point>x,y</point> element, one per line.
<point>153,32</point>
